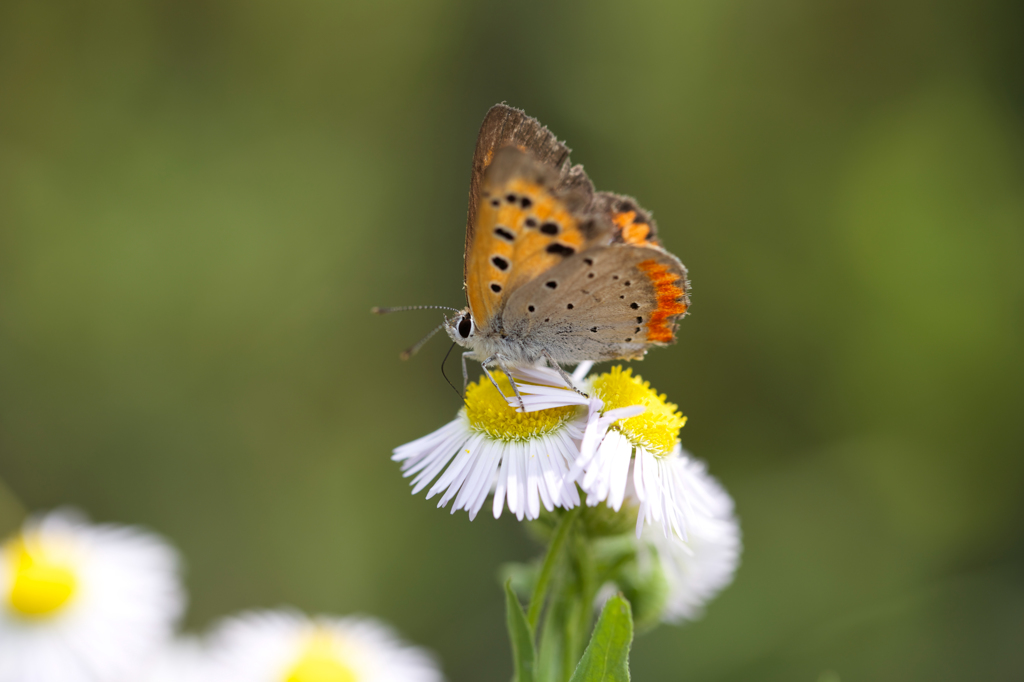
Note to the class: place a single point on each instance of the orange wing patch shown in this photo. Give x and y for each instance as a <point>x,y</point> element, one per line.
<point>632,231</point>
<point>669,295</point>
<point>522,230</point>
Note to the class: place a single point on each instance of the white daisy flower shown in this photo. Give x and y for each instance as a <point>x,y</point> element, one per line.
<point>82,602</point>
<point>698,569</point>
<point>630,428</point>
<point>631,453</point>
<point>287,646</point>
<point>490,447</point>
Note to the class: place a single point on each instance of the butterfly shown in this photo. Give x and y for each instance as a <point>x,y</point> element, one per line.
<point>555,271</point>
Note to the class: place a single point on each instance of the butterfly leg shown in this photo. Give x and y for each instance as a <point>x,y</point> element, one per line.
<point>488,373</point>
<point>515,388</point>
<point>562,373</point>
<point>501,365</point>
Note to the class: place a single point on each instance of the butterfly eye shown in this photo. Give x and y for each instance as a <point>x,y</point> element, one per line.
<point>465,326</point>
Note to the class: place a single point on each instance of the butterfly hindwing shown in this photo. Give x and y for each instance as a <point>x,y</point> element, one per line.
<point>632,224</point>
<point>605,303</point>
<point>528,220</point>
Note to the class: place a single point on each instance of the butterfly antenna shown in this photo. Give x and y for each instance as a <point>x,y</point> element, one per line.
<point>414,348</point>
<point>450,349</point>
<point>377,310</point>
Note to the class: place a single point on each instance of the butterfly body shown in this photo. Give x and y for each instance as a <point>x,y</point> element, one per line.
<point>554,270</point>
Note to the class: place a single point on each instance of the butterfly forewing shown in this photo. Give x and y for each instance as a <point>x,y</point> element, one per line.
<point>528,221</point>
<point>505,126</point>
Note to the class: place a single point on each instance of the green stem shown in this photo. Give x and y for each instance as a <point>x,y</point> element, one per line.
<point>580,602</point>
<point>550,559</point>
<point>571,635</point>
<point>551,648</point>
<point>589,585</point>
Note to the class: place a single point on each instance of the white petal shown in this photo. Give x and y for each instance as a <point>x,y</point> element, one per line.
<point>499,489</point>
<point>533,483</point>
<point>581,371</point>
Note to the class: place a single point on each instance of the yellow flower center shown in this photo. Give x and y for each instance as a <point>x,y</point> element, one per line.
<point>657,429</point>
<point>321,661</point>
<point>43,578</point>
<point>488,412</point>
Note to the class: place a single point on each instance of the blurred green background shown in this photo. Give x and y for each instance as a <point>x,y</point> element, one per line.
<point>200,201</point>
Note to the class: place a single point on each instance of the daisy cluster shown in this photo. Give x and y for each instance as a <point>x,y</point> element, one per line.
<point>614,443</point>
<point>81,602</point>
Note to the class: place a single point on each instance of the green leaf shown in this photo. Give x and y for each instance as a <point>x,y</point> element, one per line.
<point>607,656</point>
<point>521,636</point>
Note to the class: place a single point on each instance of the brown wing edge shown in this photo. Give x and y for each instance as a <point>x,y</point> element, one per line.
<point>505,126</point>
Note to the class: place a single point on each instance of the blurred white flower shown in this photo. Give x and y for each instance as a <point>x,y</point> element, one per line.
<point>82,602</point>
<point>287,646</point>
<point>490,447</point>
<point>699,568</point>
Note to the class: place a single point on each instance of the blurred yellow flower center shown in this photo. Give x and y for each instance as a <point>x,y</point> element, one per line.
<point>320,661</point>
<point>43,581</point>
<point>657,429</point>
<point>488,412</point>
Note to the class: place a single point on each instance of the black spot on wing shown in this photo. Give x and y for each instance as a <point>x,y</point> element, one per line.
<point>499,263</point>
<point>505,233</point>
<point>560,249</point>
